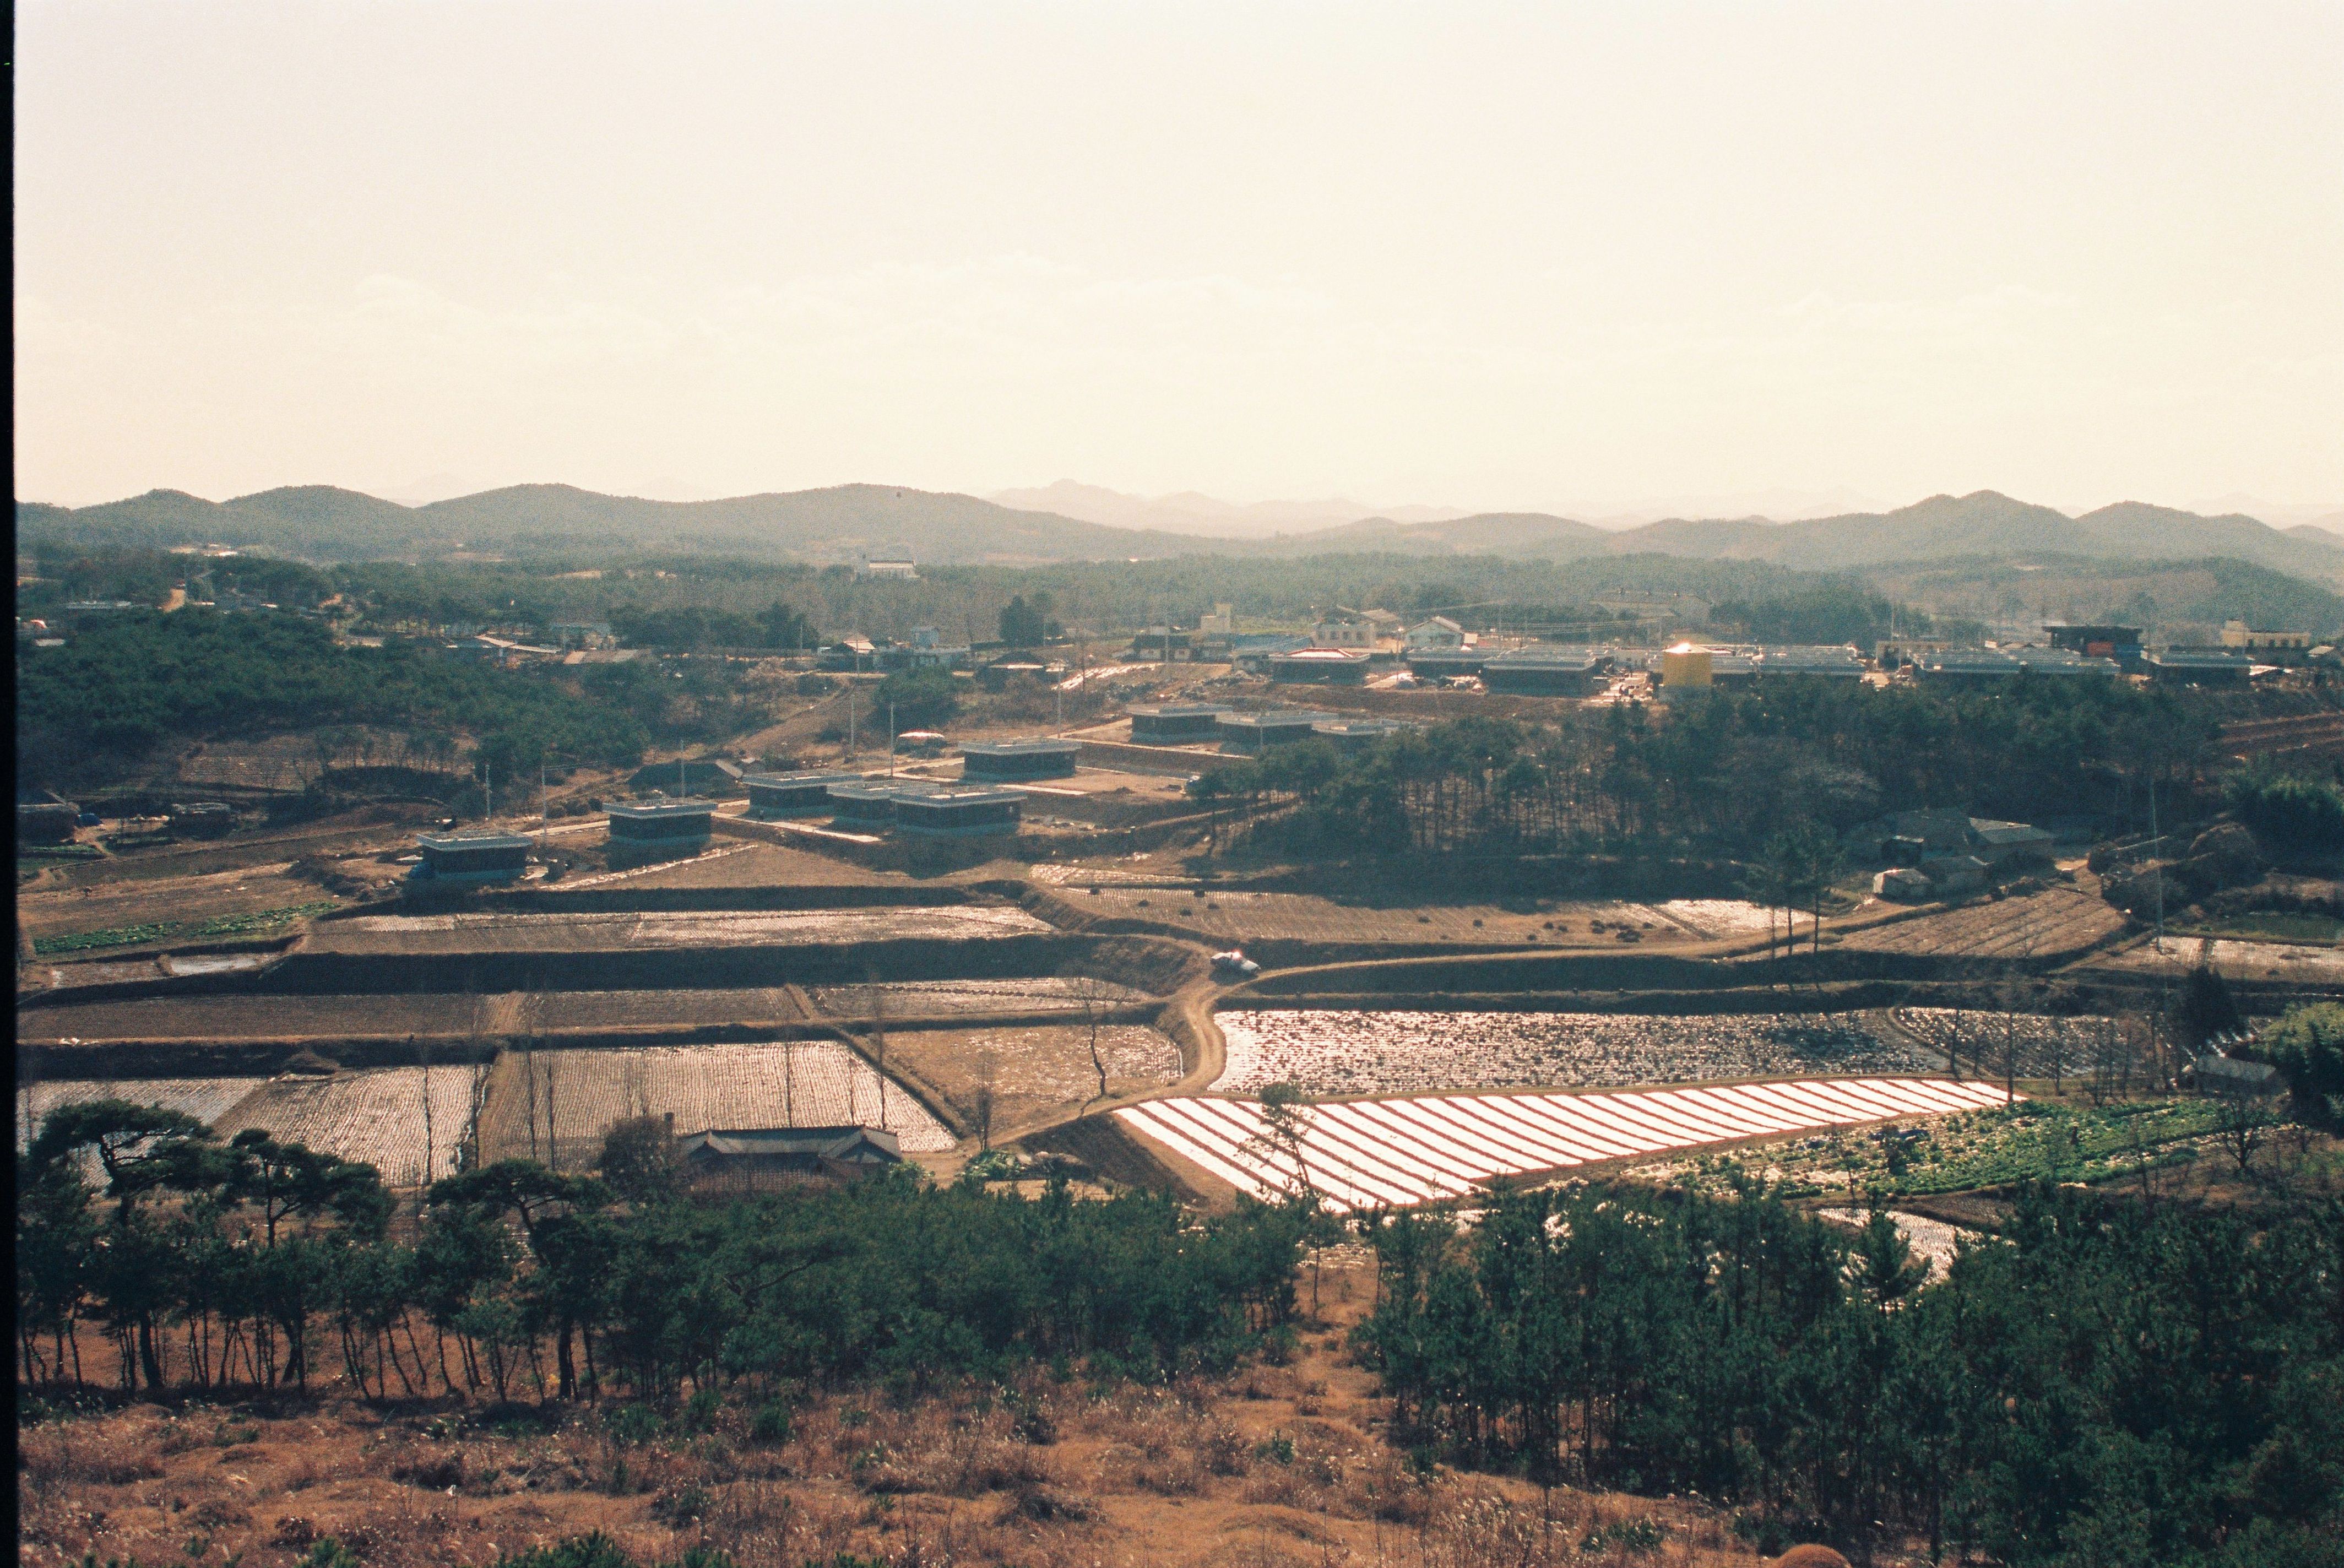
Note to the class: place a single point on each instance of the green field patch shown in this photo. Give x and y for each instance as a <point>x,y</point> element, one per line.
<point>1972,1149</point>
<point>160,930</point>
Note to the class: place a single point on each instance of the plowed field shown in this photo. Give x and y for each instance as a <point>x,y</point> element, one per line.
<point>557,933</point>
<point>375,1115</point>
<point>238,1017</point>
<point>2290,962</point>
<point>2056,923</point>
<point>2037,1046</point>
<point>207,1098</point>
<point>1358,1053</point>
<point>1222,916</point>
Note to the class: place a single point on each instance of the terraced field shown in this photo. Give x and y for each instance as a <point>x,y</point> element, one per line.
<point>2057,923</point>
<point>1330,1052</point>
<point>250,1016</point>
<point>472,933</point>
<point>1046,994</point>
<point>1225,915</point>
<point>579,1094</point>
<point>562,1010</point>
<point>1368,1154</point>
<point>2288,962</point>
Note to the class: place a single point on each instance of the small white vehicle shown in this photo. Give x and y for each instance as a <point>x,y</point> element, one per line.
<point>1235,965</point>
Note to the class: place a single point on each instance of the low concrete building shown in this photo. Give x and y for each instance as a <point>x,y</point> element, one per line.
<point>867,804</point>
<point>1545,672</point>
<point>1438,633</point>
<point>1174,724</point>
<point>1353,737</point>
<point>2199,667</point>
<point>2258,640</point>
<point>453,860</point>
<point>1987,666</point>
<point>1253,733</point>
<point>1319,667</point>
<point>802,794</point>
<point>1004,761</point>
<point>959,812</point>
<point>659,827</point>
<point>1841,663</point>
<point>1444,664</point>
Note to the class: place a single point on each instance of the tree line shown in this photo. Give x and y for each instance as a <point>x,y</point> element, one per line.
<point>2103,1384</point>
<point>1727,772</point>
<point>255,1263</point>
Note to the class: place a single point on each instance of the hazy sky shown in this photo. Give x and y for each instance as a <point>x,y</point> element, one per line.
<point>1495,256</point>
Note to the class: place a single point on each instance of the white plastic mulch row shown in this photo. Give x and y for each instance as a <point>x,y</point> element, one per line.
<point>1365,1154</point>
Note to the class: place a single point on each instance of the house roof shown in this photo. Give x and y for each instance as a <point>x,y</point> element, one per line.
<point>1034,746</point>
<point>818,1142</point>
<point>656,806</point>
<point>453,843</point>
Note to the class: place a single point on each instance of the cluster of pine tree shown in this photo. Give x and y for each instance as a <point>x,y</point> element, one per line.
<point>2104,1384</point>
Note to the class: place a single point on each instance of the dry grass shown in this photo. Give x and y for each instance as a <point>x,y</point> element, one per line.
<point>1277,1465</point>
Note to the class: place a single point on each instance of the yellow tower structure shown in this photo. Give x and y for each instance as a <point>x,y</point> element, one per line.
<point>1684,665</point>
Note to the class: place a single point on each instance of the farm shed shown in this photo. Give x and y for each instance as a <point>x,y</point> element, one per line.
<point>465,859</point>
<point>1253,733</point>
<point>1903,883</point>
<point>840,1153</point>
<point>2008,843</point>
<point>658,826</point>
<point>1029,759</point>
<point>802,794</point>
<point>2234,1079</point>
<point>2096,640</point>
<point>1955,873</point>
<point>960,812</point>
<point>1173,724</point>
<point>1319,667</point>
<point>1544,672</point>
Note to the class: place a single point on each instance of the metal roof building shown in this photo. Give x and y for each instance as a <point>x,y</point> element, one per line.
<point>1841,664</point>
<point>1984,666</point>
<point>960,812</point>
<point>2199,667</point>
<point>470,859</point>
<point>1319,666</point>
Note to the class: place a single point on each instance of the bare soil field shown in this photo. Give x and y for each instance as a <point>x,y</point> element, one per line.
<point>2057,923</point>
<point>2289,962</point>
<point>1372,1053</point>
<point>132,905</point>
<point>265,1016</point>
<point>496,932</point>
<point>1037,1074</point>
<point>1046,994</point>
<point>376,1116</point>
<point>579,1094</point>
<point>1226,915</point>
<point>1192,1476</point>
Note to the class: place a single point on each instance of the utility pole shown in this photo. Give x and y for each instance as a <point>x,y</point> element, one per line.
<point>891,740</point>
<point>540,804</point>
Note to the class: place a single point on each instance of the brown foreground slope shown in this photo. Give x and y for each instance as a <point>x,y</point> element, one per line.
<point>1272,1466</point>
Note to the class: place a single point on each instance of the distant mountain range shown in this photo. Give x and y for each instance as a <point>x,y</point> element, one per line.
<point>1190,513</point>
<point>848,522</point>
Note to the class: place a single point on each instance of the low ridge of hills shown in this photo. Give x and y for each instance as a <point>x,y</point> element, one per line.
<point>844,523</point>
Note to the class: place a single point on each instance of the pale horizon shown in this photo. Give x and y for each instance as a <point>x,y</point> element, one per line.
<point>1575,260</point>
